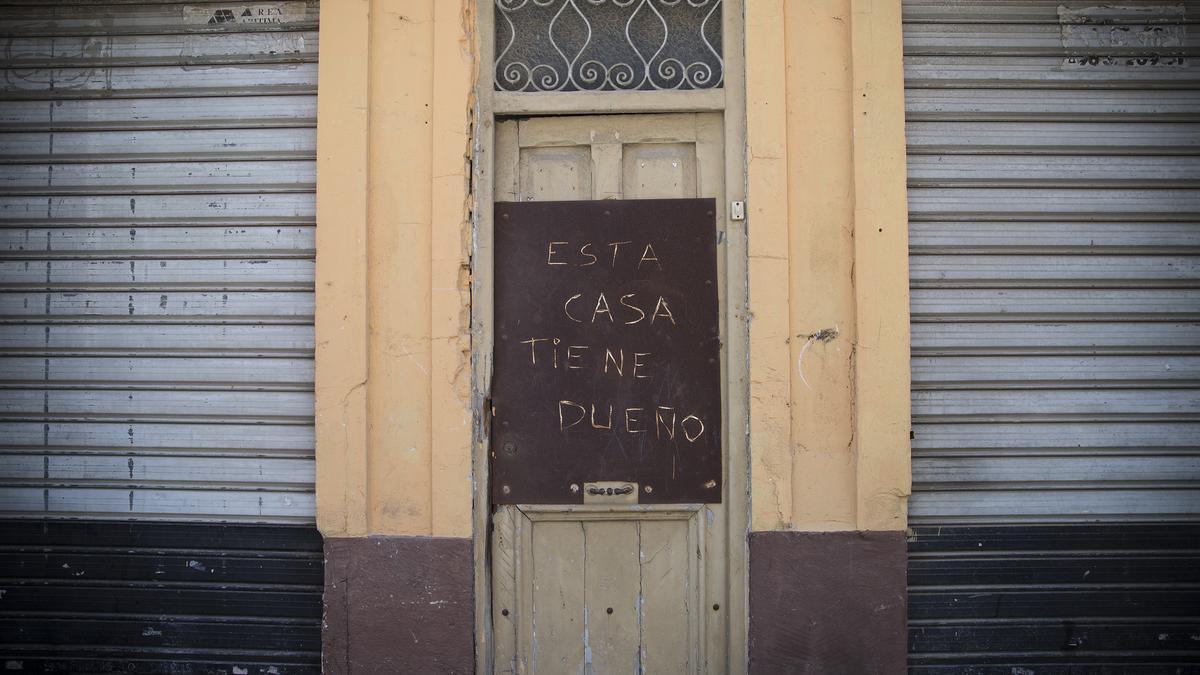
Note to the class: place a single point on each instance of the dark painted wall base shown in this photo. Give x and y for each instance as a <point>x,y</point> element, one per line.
<point>828,603</point>
<point>399,605</point>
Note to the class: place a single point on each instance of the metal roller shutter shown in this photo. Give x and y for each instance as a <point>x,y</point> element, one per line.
<point>157,183</point>
<point>1054,167</point>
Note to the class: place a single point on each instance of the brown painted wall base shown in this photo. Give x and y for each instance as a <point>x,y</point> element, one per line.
<point>828,602</point>
<point>398,605</point>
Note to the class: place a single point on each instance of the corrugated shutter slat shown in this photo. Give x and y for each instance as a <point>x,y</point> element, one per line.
<point>157,183</point>
<point>1054,196</point>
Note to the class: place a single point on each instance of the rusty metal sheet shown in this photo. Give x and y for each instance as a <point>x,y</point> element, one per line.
<point>607,351</point>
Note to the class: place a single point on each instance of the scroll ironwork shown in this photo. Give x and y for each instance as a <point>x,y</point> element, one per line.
<point>608,45</point>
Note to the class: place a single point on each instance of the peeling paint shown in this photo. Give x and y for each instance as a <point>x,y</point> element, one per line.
<point>1115,37</point>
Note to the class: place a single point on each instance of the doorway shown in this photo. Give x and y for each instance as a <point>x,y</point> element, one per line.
<point>613,585</point>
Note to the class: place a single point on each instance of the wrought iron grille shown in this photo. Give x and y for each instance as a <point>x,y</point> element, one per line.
<point>608,45</point>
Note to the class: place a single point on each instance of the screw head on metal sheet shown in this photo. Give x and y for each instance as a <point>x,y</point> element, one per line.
<point>505,489</point>
<point>509,448</point>
<point>574,488</point>
<point>648,489</point>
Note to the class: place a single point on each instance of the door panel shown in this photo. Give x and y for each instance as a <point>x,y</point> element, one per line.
<point>557,595</point>
<point>556,173</point>
<point>603,589</point>
<point>611,578</point>
<point>662,170</point>
<point>668,575</point>
<point>610,588</point>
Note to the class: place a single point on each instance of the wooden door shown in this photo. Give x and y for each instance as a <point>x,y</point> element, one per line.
<point>611,588</point>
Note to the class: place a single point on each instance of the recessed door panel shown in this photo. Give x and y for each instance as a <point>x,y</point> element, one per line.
<point>556,173</point>
<point>658,170</point>
<point>600,590</point>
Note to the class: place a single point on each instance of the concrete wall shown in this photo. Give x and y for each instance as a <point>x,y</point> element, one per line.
<point>394,492</point>
<point>828,266</point>
<point>393,146</point>
<point>829,363</point>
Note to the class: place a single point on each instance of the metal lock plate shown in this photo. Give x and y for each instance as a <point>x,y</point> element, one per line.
<point>737,210</point>
<point>610,492</point>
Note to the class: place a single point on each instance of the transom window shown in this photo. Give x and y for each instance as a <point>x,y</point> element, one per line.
<point>608,45</point>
